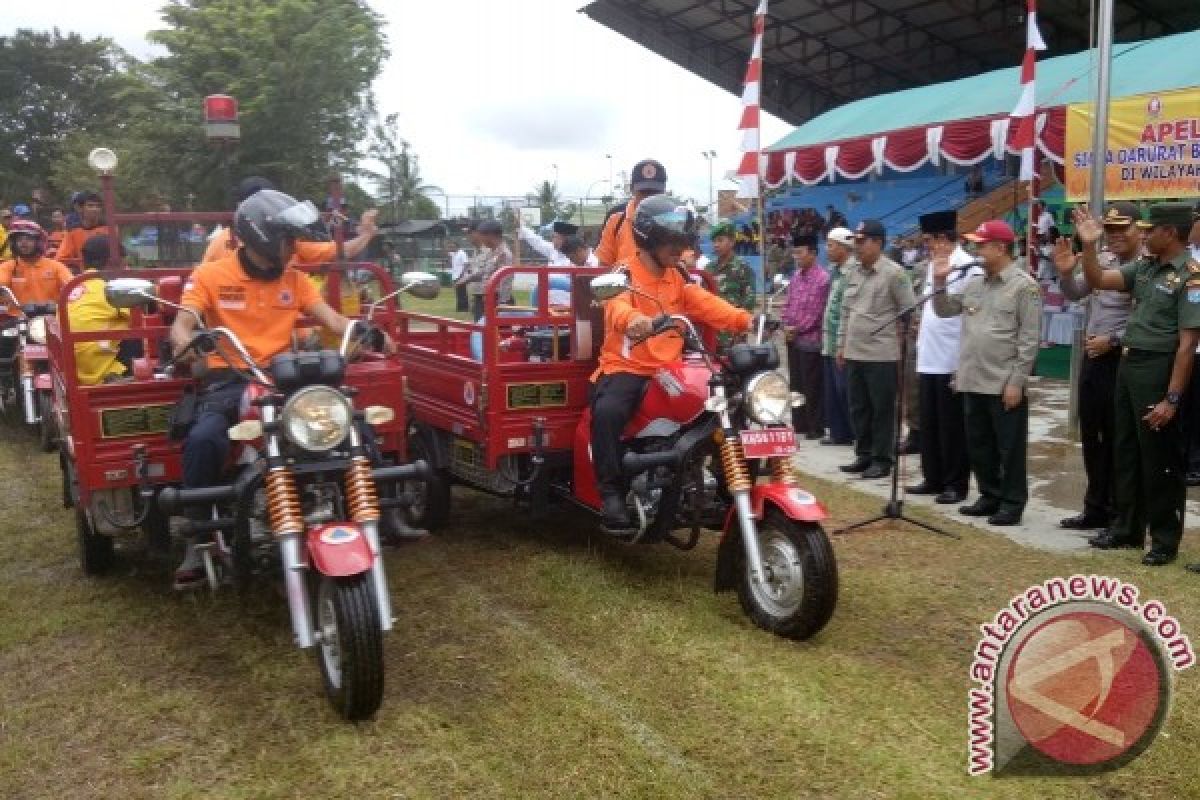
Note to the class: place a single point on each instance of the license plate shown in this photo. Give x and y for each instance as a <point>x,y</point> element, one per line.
<point>769,443</point>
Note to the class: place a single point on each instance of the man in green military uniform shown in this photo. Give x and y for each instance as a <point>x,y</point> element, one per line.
<point>1156,365</point>
<point>735,279</point>
<point>876,291</point>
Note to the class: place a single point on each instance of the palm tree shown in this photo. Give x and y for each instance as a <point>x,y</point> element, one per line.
<point>401,190</point>
<point>547,197</point>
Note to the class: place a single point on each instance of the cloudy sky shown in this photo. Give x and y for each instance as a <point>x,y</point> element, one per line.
<point>493,94</point>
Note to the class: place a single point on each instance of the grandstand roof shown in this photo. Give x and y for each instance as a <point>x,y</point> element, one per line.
<point>821,54</point>
<point>1138,68</point>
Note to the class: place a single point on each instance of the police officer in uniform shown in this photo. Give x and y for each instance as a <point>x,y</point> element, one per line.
<point>1156,365</point>
<point>877,289</point>
<point>1108,314</point>
<point>1002,318</point>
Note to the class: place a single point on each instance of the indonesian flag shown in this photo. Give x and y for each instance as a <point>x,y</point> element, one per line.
<point>749,171</point>
<point>1024,134</point>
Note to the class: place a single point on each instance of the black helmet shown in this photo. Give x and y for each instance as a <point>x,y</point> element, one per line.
<point>95,251</point>
<point>661,220</point>
<point>265,219</point>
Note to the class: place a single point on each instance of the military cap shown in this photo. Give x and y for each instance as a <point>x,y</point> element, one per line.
<point>939,222</point>
<point>1122,213</point>
<point>1178,214</point>
<point>722,229</point>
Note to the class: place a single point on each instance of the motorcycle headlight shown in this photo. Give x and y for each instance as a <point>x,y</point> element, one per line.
<point>37,330</point>
<point>317,418</point>
<point>769,399</point>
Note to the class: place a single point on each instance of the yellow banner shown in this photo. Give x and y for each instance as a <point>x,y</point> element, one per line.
<point>1153,147</point>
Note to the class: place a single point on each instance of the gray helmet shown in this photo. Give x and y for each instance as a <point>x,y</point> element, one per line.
<point>662,220</point>
<point>267,218</point>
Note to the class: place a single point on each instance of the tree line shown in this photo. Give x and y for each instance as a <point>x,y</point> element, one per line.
<point>301,70</point>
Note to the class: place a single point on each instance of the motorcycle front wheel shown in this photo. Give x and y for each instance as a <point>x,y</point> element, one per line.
<point>350,645</point>
<point>799,591</point>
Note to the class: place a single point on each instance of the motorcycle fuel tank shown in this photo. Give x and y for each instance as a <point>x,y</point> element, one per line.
<point>674,397</point>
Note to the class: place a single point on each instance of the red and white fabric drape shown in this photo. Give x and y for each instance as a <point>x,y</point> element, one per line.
<point>964,142</point>
<point>1025,137</point>
<point>750,168</point>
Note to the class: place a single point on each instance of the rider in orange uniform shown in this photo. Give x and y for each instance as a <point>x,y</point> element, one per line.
<point>662,230</point>
<point>31,276</point>
<point>254,293</point>
<point>617,245</point>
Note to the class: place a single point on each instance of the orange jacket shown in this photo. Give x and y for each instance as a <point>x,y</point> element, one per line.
<point>262,313</point>
<point>39,282</point>
<point>72,243</point>
<point>678,296</point>
<point>617,246</point>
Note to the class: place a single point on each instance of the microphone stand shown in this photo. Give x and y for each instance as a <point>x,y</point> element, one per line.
<point>894,510</point>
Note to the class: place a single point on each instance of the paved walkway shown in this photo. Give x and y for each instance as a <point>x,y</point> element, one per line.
<point>1056,477</point>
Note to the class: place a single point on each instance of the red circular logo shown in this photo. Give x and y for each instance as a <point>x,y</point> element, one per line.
<point>649,171</point>
<point>1086,688</point>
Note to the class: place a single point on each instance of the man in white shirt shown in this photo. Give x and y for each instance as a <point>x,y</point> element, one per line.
<point>1045,222</point>
<point>944,461</point>
<point>552,250</point>
<point>457,258</point>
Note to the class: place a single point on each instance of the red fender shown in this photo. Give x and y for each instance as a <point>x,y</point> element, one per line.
<point>339,549</point>
<point>793,501</point>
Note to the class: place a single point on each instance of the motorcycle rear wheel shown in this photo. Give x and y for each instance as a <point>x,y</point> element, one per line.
<point>350,646</point>
<point>800,592</point>
<point>47,430</point>
<point>430,509</point>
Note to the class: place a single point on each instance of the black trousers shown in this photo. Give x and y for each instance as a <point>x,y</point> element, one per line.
<point>944,461</point>
<point>1190,416</point>
<point>807,378</point>
<point>996,441</point>
<point>1149,485</point>
<point>871,388</point>
<point>1097,415</point>
<point>461,303</point>
<point>615,398</point>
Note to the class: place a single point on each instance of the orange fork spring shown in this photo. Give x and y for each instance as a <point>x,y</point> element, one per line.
<point>733,461</point>
<point>782,472</point>
<point>362,499</point>
<point>283,503</point>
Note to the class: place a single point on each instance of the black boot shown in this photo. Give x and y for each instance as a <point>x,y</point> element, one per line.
<point>614,512</point>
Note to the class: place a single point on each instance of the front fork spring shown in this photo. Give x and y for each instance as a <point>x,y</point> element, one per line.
<point>782,472</point>
<point>733,462</point>
<point>361,495</point>
<point>283,502</point>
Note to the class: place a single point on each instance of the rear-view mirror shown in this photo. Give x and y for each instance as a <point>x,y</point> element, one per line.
<point>424,285</point>
<point>129,292</point>
<point>606,287</point>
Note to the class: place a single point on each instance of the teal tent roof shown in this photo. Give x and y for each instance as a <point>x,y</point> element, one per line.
<point>1153,65</point>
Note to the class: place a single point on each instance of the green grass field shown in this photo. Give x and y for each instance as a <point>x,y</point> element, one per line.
<point>527,662</point>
